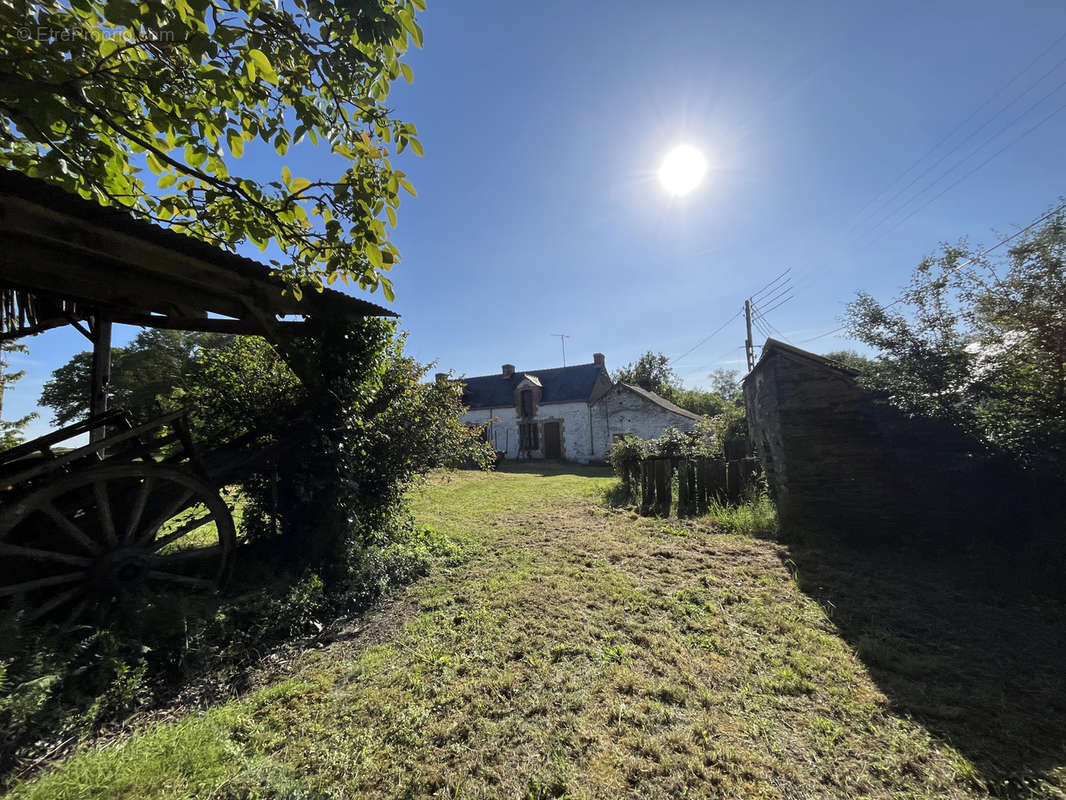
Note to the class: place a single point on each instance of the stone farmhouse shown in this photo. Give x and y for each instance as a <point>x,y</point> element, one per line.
<point>571,413</point>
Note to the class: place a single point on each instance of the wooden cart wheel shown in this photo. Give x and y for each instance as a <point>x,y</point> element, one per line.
<point>95,535</point>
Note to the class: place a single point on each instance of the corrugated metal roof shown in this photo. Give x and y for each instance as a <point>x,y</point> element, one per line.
<point>559,385</point>
<point>57,199</point>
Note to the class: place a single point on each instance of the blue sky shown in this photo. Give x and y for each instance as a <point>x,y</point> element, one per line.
<point>538,210</point>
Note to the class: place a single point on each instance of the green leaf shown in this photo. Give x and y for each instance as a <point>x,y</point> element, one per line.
<point>263,65</point>
<point>286,176</point>
<point>409,25</point>
<point>373,255</point>
<point>195,155</point>
<point>154,163</point>
<point>299,185</point>
<point>406,184</point>
<point>236,144</point>
<point>167,181</point>
<point>416,146</point>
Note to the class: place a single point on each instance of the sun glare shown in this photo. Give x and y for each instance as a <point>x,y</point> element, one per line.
<point>682,170</point>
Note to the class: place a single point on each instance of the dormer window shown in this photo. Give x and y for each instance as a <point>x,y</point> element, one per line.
<point>527,397</point>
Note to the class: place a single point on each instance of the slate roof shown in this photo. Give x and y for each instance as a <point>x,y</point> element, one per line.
<point>661,401</point>
<point>560,385</point>
<point>773,344</point>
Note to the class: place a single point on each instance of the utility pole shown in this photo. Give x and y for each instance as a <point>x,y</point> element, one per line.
<point>562,340</point>
<point>747,343</point>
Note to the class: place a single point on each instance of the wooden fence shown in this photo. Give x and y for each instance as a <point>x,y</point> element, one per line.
<point>700,482</point>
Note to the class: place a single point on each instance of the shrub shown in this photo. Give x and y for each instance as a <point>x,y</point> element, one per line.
<point>349,447</point>
<point>626,454</point>
<point>325,531</point>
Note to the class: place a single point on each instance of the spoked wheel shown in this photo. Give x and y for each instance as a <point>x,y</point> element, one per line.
<point>92,537</point>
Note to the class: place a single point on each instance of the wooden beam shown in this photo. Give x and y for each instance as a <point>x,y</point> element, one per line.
<point>202,324</point>
<point>247,326</point>
<point>101,376</point>
<point>32,330</point>
<point>79,327</point>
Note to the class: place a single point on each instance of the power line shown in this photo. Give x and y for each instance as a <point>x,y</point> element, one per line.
<point>718,360</point>
<point>996,246</point>
<point>976,169</point>
<point>760,315</point>
<point>774,289</point>
<point>958,127</point>
<point>771,283</point>
<point>758,323</point>
<point>707,338</point>
<point>823,335</point>
<point>972,153</point>
<point>778,305</point>
<point>967,262</point>
<point>785,289</point>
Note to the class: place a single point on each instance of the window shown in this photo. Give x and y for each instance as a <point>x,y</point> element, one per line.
<point>528,436</point>
<point>527,403</point>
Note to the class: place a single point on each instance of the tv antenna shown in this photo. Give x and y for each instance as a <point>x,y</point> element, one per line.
<point>562,340</point>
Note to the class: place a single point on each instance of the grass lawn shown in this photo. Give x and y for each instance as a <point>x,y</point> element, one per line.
<point>570,650</point>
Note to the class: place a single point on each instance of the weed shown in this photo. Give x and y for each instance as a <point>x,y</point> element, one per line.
<point>754,517</point>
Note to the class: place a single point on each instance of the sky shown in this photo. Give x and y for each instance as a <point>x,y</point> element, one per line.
<point>845,142</point>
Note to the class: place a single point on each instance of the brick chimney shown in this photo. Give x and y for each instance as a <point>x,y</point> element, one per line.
<point>597,359</point>
<point>440,376</point>
<point>508,370</point>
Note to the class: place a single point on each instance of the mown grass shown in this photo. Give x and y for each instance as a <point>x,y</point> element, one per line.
<point>565,649</point>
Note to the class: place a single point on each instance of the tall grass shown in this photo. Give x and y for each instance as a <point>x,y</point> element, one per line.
<point>755,516</point>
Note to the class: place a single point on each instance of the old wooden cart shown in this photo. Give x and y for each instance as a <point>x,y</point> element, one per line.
<point>139,506</point>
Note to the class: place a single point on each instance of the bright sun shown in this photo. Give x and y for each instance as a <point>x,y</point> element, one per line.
<point>682,170</point>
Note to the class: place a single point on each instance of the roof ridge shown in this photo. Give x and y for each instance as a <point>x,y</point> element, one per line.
<point>660,401</point>
<point>530,371</point>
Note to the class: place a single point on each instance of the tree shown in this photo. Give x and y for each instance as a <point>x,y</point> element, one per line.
<point>352,450</point>
<point>98,90</point>
<point>725,382</point>
<point>849,359</point>
<point>11,430</point>
<point>651,371</point>
<point>980,343</point>
<point>153,365</point>
<point>707,404</point>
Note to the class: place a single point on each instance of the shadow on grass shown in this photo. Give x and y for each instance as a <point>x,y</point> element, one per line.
<point>982,671</point>
<point>552,468</point>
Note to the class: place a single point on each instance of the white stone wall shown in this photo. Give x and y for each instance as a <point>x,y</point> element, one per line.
<point>587,430</point>
<point>623,411</point>
<point>575,428</point>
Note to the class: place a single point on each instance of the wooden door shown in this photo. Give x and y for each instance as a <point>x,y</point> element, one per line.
<point>553,440</point>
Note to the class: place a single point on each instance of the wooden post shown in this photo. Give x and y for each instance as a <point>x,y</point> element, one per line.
<point>663,494</point>
<point>101,375</point>
<point>647,492</point>
<point>748,347</point>
<point>684,490</point>
<point>693,506</point>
